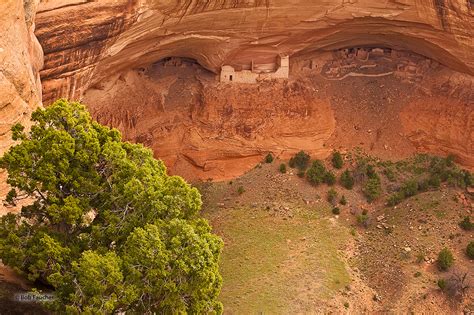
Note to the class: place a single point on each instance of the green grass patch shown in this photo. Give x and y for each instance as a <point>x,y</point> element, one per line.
<point>269,264</point>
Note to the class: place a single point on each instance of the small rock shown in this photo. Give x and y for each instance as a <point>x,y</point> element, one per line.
<point>377,298</point>
<point>407,249</point>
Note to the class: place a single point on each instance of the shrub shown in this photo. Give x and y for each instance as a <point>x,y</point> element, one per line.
<point>347,181</point>
<point>388,172</point>
<point>336,160</point>
<point>363,219</point>
<point>409,188</point>
<point>466,224</point>
<point>240,190</point>
<point>420,258</point>
<point>269,158</point>
<point>441,284</point>
<point>447,171</point>
<point>336,210</point>
<point>423,185</point>
<point>282,168</point>
<point>301,173</point>
<point>470,250</point>
<point>343,200</point>
<point>331,195</point>
<point>300,160</point>
<point>372,189</point>
<point>434,181</point>
<point>316,173</point>
<point>360,172</point>
<point>445,259</point>
<point>329,178</point>
<point>145,249</point>
<point>395,198</point>
<point>468,178</point>
<point>371,173</point>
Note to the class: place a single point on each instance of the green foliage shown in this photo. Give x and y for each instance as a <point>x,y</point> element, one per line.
<point>300,161</point>
<point>395,198</point>
<point>347,181</point>
<point>423,185</point>
<point>466,224</point>
<point>240,190</point>
<point>343,200</point>
<point>337,161</point>
<point>371,173</point>
<point>445,259</point>
<point>470,250</point>
<point>372,189</point>
<point>434,181</point>
<point>108,229</point>
<point>316,173</point>
<point>329,178</point>
<point>409,188</point>
<point>336,210</point>
<point>447,171</point>
<point>282,168</point>
<point>363,220</point>
<point>269,158</point>
<point>468,178</point>
<point>388,172</point>
<point>441,284</point>
<point>331,195</point>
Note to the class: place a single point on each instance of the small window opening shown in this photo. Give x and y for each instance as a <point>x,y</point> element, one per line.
<point>230,78</point>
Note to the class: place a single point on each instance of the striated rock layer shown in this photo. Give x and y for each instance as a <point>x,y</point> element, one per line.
<point>21,59</point>
<point>211,131</point>
<point>85,42</point>
<point>391,105</point>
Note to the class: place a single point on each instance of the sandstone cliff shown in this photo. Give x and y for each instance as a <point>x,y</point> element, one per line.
<point>21,59</point>
<point>84,41</point>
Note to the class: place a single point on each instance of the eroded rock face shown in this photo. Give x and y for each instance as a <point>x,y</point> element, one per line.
<point>203,129</point>
<point>110,36</point>
<point>21,59</point>
<point>391,104</point>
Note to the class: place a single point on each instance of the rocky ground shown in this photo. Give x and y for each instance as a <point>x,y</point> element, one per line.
<point>286,252</point>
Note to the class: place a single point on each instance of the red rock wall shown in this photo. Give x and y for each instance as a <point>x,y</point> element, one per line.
<point>86,42</point>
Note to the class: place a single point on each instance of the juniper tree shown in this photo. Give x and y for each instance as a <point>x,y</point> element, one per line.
<point>105,226</point>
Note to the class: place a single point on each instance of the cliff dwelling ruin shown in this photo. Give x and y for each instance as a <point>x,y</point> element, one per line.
<point>257,72</point>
